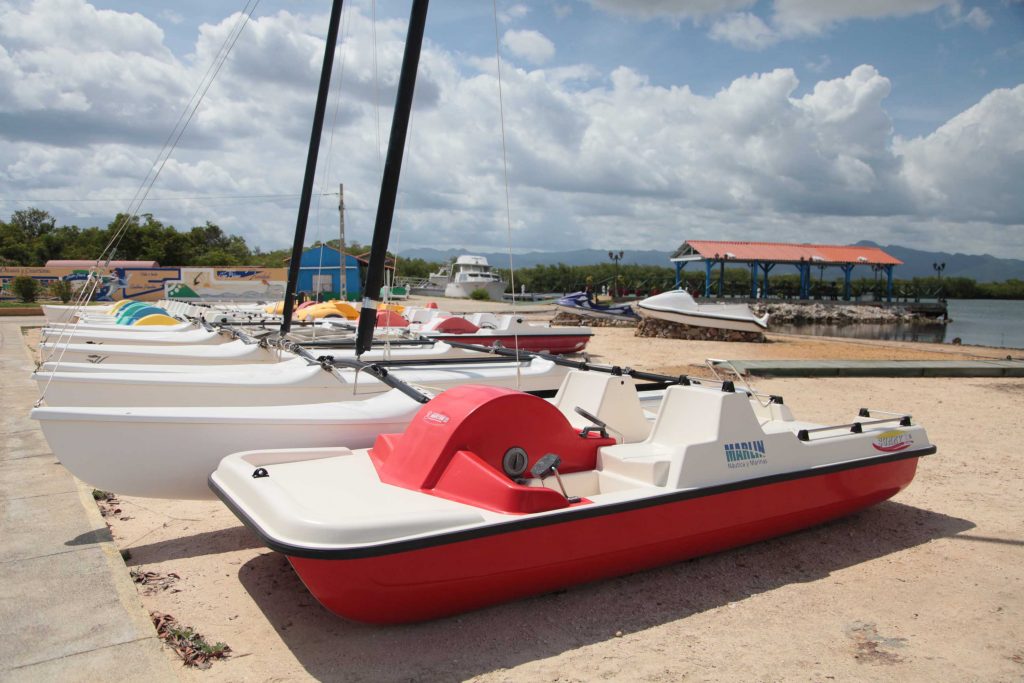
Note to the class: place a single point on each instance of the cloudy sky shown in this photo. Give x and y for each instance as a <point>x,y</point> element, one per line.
<point>629,124</point>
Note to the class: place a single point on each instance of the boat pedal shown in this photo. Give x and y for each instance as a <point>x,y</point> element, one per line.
<point>548,465</point>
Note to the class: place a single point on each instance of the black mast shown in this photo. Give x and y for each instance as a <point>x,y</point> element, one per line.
<point>307,181</point>
<point>389,183</point>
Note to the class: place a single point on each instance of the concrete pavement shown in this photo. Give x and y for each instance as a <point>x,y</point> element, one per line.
<point>68,608</point>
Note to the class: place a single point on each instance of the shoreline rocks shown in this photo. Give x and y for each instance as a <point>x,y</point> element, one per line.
<point>573,320</point>
<point>833,314</point>
<point>664,329</point>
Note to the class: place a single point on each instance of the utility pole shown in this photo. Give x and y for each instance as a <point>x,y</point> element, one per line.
<point>343,277</point>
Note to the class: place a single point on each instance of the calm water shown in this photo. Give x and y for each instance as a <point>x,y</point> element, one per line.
<point>975,321</point>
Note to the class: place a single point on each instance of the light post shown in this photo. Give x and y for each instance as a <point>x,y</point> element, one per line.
<point>615,256</point>
<point>939,267</point>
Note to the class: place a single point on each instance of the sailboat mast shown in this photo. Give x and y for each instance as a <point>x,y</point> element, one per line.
<point>392,170</point>
<point>307,181</point>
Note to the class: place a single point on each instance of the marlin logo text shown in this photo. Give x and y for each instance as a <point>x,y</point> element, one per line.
<point>439,418</point>
<point>745,454</point>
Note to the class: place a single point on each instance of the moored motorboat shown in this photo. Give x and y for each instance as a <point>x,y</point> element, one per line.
<point>470,274</point>
<point>468,499</point>
<point>679,307</point>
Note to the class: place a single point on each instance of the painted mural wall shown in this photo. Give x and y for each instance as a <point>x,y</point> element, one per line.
<point>150,284</point>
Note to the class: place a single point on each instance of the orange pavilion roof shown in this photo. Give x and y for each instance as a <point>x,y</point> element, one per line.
<point>783,252</point>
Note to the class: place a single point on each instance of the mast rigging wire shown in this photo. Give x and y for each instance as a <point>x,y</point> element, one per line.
<point>504,165</point>
<point>93,279</point>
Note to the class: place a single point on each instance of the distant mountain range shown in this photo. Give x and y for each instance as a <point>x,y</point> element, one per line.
<point>579,257</point>
<point>984,268</point>
<point>917,263</point>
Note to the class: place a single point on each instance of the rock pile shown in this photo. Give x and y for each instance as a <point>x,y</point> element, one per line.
<point>653,327</point>
<point>571,319</point>
<point>833,314</point>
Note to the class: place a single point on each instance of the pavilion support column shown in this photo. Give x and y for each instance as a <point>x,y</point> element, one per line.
<point>679,274</point>
<point>847,270</point>
<point>888,283</point>
<point>721,278</point>
<point>753,279</point>
<point>767,268</point>
<point>707,278</point>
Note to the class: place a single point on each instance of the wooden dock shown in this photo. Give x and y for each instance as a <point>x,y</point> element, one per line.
<point>876,368</point>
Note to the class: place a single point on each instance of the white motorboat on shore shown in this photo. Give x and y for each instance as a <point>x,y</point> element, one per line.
<point>679,307</point>
<point>470,273</point>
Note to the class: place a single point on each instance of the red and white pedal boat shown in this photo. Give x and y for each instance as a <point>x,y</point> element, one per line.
<point>460,512</point>
<point>487,329</point>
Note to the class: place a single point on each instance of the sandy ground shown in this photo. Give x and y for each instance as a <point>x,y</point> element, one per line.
<point>928,586</point>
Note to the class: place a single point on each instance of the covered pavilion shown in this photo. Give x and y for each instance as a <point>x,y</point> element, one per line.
<point>762,257</point>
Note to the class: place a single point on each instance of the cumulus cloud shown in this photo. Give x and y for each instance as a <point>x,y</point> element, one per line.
<point>976,17</point>
<point>970,168</point>
<point>594,158</point>
<point>171,16</point>
<point>676,10</point>
<point>513,13</point>
<point>787,19</point>
<point>532,46</point>
<point>745,30</point>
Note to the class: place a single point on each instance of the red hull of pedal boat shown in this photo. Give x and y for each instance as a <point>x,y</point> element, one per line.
<point>417,584</point>
<point>552,343</point>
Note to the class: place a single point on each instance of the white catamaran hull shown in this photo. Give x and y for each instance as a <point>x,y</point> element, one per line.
<point>280,384</point>
<point>57,313</point>
<point>190,336</point>
<point>100,363</point>
<point>169,452</point>
<point>236,351</point>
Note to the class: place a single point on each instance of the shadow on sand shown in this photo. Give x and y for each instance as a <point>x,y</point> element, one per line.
<point>507,635</point>
<point>195,545</point>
